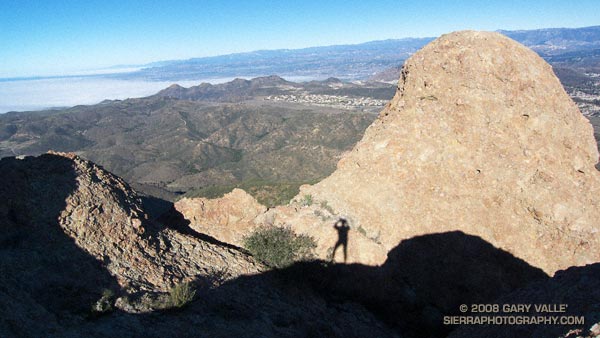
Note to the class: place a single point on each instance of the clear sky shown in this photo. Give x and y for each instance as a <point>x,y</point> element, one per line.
<point>61,36</point>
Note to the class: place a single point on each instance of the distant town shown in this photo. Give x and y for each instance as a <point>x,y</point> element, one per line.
<point>345,102</point>
<point>588,103</point>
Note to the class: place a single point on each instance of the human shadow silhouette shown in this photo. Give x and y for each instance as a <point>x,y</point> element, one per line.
<point>342,228</point>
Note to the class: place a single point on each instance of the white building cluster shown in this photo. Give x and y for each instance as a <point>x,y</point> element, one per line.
<point>344,101</point>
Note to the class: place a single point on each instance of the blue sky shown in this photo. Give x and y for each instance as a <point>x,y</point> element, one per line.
<point>58,37</point>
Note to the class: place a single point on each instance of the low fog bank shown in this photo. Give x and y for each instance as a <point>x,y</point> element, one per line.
<point>23,95</point>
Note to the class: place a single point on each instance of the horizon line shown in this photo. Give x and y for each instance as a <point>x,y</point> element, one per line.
<point>102,71</point>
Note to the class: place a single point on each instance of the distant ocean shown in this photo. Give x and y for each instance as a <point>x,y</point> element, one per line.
<point>36,94</point>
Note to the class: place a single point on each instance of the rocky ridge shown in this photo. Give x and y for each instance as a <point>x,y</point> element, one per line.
<point>105,217</point>
<point>227,218</point>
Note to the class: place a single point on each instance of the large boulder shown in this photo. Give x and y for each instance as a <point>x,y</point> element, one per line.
<point>481,138</point>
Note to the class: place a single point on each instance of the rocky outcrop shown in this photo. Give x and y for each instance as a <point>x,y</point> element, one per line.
<point>234,216</point>
<point>481,138</point>
<point>104,217</point>
<point>228,218</point>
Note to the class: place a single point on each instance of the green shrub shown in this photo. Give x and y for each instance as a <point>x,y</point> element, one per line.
<point>362,230</point>
<point>105,303</point>
<point>326,206</point>
<point>307,200</point>
<point>180,295</point>
<point>279,247</point>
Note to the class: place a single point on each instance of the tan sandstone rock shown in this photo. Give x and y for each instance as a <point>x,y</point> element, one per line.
<point>480,137</point>
<point>228,218</point>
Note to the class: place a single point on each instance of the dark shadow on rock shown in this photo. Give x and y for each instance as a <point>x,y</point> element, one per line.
<point>423,279</point>
<point>453,268</point>
<point>404,297</point>
<point>46,280</point>
<point>155,207</point>
<point>576,287</point>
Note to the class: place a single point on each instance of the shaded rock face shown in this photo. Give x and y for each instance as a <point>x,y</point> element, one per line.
<point>45,278</point>
<point>480,137</point>
<point>578,287</point>
<point>424,279</point>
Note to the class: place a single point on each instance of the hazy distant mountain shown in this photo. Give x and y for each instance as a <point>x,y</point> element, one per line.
<point>351,62</point>
<point>343,61</point>
<point>555,41</point>
<point>235,90</point>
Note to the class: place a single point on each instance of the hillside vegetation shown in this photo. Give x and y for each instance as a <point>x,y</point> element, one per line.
<point>167,146</point>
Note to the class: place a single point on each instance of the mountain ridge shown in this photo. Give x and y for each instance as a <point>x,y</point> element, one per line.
<point>173,70</point>
<point>355,61</point>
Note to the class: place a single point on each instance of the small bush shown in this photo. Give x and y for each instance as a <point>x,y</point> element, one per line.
<point>105,303</point>
<point>326,206</point>
<point>307,200</point>
<point>279,247</point>
<point>180,295</point>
